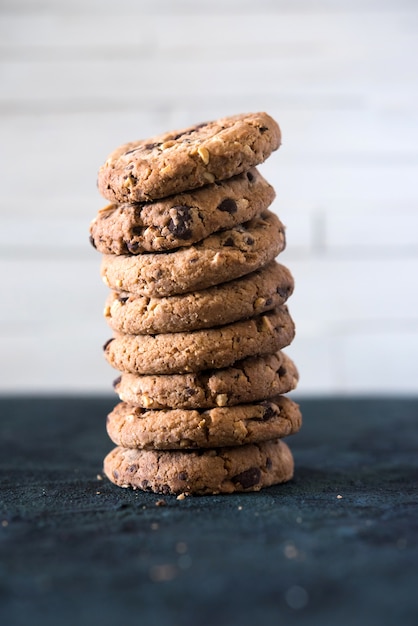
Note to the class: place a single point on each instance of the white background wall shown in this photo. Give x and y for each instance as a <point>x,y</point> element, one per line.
<point>340,76</point>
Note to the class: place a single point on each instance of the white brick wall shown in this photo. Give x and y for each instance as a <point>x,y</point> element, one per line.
<point>79,78</point>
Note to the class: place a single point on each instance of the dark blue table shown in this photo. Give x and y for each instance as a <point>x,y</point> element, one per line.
<point>336,546</point>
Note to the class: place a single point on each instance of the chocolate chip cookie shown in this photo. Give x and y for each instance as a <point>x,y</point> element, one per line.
<point>250,380</point>
<point>219,258</point>
<point>182,219</point>
<point>176,429</point>
<point>243,297</point>
<point>221,470</point>
<point>178,353</point>
<point>187,159</point>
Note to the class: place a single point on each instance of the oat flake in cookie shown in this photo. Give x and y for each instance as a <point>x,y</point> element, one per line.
<point>186,159</point>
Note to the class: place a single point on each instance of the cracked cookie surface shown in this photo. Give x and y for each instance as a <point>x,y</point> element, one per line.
<point>249,467</point>
<point>187,159</point>
<point>177,429</point>
<point>220,257</point>
<point>250,380</point>
<point>180,220</point>
<point>194,351</point>
<point>243,297</point>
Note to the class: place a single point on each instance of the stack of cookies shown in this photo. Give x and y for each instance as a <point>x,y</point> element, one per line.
<point>197,308</point>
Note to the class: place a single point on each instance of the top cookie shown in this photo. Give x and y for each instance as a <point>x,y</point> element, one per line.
<point>186,159</point>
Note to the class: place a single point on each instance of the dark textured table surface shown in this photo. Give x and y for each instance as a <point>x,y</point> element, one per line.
<point>337,545</point>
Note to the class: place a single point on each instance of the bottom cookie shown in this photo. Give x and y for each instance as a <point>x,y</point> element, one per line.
<point>220,470</point>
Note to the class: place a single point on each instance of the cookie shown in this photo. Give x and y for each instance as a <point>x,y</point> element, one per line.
<point>250,380</point>
<point>243,297</point>
<point>177,353</point>
<point>218,470</point>
<point>176,429</point>
<point>182,219</point>
<point>187,159</point>
<point>220,257</point>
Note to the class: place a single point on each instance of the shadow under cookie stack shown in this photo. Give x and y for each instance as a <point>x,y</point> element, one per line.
<point>198,313</point>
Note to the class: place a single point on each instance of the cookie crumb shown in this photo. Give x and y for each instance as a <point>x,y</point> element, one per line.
<point>291,551</point>
<point>240,508</point>
<point>99,477</point>
<point>339,497</point>
<point>5,523</point>
<point>182,496</point>
<point>162,573</point>
<point>154,526</point>
<point>181,547</point>
<point>161,503</point>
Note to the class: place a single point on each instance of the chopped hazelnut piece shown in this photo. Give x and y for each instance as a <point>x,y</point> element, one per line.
<point>209,177</point>
<point>204,154</point>
<point>222,399</point>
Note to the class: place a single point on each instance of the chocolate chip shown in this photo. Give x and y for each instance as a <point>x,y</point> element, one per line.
<point>269,463</point>
<point>147,146</point>
<point>134,150</point>
<point>123,299</point>
<point>133,246</point>
<point>259,323</point>
<point>137,230</point>
<point>228,206</point>
<point>164,489</point>
<point>181,226</point>
<point>268,411</point>
<point>283,291</point>
<point>133,468</point>
<point>250,176</point>
<point>269,301</point>
<point>249,241</point>
<point>188,132</point>
<point>247,479</point>
<point>109,341</point>
<point>282,371</point>
<point>182,476</point>
<point>144,484</point>
<point>197,126</point>
<point>263,129</point>
<point>190,392</point>
<point>92,242</point>
<point>116,382</point>
<point>229,242</point>
<point>115,474</point>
